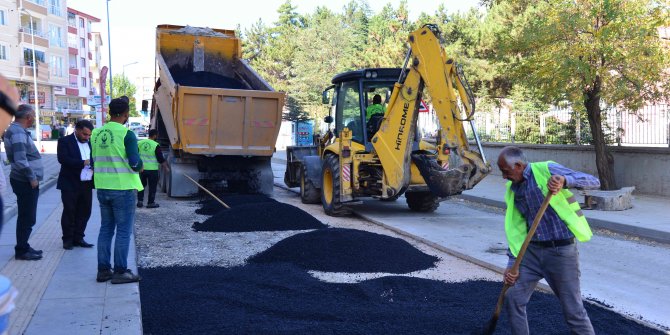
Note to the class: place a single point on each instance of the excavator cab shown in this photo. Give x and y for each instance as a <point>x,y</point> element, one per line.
<point>354,93</point>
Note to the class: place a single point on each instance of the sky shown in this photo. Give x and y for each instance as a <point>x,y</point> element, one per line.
<point>133,22</point>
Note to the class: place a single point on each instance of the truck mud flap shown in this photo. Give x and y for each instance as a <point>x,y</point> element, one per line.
<point>441,182</point>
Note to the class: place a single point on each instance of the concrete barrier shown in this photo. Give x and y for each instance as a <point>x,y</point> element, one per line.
<point>648,169</point>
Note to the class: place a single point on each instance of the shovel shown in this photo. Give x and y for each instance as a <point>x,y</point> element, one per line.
<point>208,192</point>
<point>491,325</point>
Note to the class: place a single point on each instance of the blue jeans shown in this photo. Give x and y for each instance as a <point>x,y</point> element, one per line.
<point>117,212</point>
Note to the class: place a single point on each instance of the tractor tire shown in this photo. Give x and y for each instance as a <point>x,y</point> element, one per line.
<point>422,201</point>
<point>309,194</point>
<point>330,189</point>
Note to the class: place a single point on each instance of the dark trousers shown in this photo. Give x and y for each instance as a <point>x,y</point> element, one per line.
<point>76,211</point>
<point>26,201</point>
<point>149,177</point>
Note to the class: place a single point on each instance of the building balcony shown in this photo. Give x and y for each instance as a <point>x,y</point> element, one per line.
<point>26,36</point>
<point>73,92</point>
<point>42,70</point>
<point>90,56</point>
<point>72,51</point>
<point>72,30</point>
<point>37,6</point>
<point>74,71</point>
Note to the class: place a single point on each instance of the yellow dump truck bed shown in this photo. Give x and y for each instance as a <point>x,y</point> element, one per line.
<point>243,120</point>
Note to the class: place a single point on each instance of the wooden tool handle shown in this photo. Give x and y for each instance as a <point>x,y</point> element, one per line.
<point>208,192</point>
<point>531,232</point>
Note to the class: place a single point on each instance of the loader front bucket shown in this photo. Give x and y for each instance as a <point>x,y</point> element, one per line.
<point>440,181</point>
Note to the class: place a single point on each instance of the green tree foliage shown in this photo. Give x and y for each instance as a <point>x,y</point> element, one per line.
<point>588,52</point>
<point>123,86</point>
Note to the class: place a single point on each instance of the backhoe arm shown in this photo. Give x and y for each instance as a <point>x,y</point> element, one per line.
<point>429,66</point>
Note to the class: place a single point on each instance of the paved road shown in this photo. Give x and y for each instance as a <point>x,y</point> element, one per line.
<point>630,275</point>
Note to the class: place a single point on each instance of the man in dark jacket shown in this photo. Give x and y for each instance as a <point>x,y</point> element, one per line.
<point>75,182</point>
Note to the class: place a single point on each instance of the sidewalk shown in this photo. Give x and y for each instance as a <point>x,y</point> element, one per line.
<point>58,294</point>
<point>649,218</point>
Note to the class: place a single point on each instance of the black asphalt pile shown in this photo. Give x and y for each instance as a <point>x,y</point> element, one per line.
<point>209,206</point>
<point>204,79</point>
<point>282,298</point>
<point>262,216</point>
<point>347,250</point>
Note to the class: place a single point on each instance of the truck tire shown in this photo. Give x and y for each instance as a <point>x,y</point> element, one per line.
<point>330,188</point>
<point>309,194</point>
<point>422,201</point>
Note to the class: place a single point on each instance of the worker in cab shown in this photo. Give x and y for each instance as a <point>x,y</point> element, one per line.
<point>375,108</point>
<point>152,157</point>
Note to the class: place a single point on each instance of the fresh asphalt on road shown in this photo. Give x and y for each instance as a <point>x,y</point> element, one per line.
<point>622,272</point>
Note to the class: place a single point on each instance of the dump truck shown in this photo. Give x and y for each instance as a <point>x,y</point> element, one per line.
<point>381,155</point>
<point>217,119</point>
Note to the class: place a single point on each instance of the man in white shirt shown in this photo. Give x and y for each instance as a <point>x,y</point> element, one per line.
<point>75,181</point>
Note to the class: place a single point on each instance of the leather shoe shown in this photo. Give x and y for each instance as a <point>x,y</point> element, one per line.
<point>83,244</point>
<point>68,245</point>
<point>28,256</point>
<point>39,252</point>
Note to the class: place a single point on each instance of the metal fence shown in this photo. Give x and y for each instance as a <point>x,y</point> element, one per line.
<point>649,126</point>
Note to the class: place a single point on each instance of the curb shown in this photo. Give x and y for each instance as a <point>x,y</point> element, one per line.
<point>644,233</point>
<point>11,211</point>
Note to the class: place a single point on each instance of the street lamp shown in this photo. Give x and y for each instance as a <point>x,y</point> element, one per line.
<point>38,133</point>
<point>109,47</point>
<point>124,67</point>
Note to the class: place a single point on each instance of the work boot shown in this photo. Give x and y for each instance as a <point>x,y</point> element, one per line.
<point>140,204</point>
<point>124,277</point>
<point>104,275</point>
<point>152,205</point>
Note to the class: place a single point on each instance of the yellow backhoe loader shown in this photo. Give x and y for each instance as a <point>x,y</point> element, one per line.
<point>381,155</point>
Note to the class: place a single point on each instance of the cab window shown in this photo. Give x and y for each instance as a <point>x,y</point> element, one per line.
<point>349,110</point>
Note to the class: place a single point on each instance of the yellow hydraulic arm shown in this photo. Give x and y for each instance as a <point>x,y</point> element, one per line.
<point>427,64</point>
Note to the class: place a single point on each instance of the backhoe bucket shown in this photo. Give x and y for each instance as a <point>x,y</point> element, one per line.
<point>441,182</point>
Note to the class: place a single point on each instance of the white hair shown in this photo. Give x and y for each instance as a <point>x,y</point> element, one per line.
<point>513,155</point>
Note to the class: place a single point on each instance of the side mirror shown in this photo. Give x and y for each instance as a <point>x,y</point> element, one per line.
<point>328,119</point>
<point>324,98</point>
<point>145,105</point>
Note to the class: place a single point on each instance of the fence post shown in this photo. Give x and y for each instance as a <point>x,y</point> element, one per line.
<point>618,127</point>
<point>578,126</point>
<point>512,125</point>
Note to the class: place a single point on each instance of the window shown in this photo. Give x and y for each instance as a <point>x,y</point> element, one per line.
<point>28,56</point>
<point>54,7</point>
<point>55,36</point>
<point>56,66</point>
<point>82,63</point>
<point>71,20</point>
<point>2,17</point>
<point>73,62</point>
<point>82,42</point>
<point>81,22</point>
<point>348,113</point>
<point>83,81</point>
<point>3,52</point>
<point>73,81</point>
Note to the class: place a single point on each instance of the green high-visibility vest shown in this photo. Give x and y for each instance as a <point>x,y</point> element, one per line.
<point>147,149</point>
<point>111,170</point>
<point>374,109</point>
<point>563,203</point>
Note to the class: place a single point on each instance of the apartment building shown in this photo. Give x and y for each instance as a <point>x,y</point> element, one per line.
<point>81,46</point>
<point>33,32</point>
<point>145,91</point>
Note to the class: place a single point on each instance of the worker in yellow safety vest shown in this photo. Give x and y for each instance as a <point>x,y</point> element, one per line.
<point>552,253</point>
<point>117,165</point>
<point>152,157</point>
<point>375,108</point>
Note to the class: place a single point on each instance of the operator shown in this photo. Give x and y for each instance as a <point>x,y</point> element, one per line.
<point>152,157</point>
<point>375,108</point>
<point>117,166</point>
<point>552,253</point>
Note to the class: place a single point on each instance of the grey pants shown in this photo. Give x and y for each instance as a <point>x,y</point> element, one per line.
<point>560,267</point>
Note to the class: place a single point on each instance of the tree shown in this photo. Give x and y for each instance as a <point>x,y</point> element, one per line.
<point>123,86</point>
<point>590,53</point>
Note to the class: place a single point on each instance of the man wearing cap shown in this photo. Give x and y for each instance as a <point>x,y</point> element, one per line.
<point>117,165</point>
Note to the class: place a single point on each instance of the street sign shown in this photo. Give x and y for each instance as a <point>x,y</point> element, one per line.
<point>96,100</point>
<point>423,108</point>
